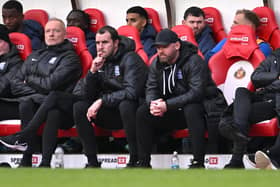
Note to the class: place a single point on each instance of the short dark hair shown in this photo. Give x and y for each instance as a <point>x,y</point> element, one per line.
<point>85,16</point>
<point>114,34</point>
<point>13,4</point>
<point>138,10</point>
<point>194,11</point>
<point>250,15</point>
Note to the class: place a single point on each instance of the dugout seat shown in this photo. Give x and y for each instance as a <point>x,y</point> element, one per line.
<point>154,18</point>
<point>214,19</point>
<point>22,43</point>
<point>268,30</point>
<point>232,67</point>
<point>77,37</point>
<point>132,33</point>
<point>39,15</point>
<point>97,19</point>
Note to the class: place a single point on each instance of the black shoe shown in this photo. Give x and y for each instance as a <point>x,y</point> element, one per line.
<point>26,161</point>
<point>44,165</point>
<point>196,165</point>
<point>143,164</point>
<point>131,164</point>
<point>234,164</point>
<point>95,165</point>
<point>72,146</point>
<point>13,142</point>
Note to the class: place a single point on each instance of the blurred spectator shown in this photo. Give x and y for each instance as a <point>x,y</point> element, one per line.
<point>244,17</point>
<point>138,17</point>
<point>12,13</point>
<point>194,17</point>
<point>81,19</point>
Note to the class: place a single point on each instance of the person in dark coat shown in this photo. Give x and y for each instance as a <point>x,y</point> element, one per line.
<point>252,107</point>
<point>178,83</point>
<point>13,18</point>
<point>10,63</point>
<point>138,17</point>
<point>53,68</point>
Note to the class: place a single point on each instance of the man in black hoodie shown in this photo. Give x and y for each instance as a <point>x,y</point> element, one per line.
<point>10,63</point>
<point>178,83</point>
<point>113,86</point>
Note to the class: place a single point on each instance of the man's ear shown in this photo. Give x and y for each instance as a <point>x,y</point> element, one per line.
<point>177,45</point>
<point>183,22</point>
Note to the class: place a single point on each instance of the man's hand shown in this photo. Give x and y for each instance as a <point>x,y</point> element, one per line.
<point>93,109</point>
<point>158,107</point>
<point>97,64</point>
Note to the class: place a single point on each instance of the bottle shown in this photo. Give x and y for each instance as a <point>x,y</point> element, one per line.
<point>175,160</point>
<point>59,158</point>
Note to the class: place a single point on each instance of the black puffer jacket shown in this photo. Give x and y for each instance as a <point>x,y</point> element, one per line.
<point>10,63</point>
<point>187,81</point>
<point>122,77</point>
<point>53,68</point>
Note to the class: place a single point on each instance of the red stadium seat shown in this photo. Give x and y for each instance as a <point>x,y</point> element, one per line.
<point>214,20</point>
<point>268,30</point>
<point>132,32</point>
<point>77,37</point>
<point>154,19</point>
<point>39,15</point>
<point>23,44</point>
<point>97,19</point>
<point>185,33</point>
<point>232,67</point>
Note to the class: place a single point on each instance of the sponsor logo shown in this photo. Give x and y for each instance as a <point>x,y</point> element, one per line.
<point>212,160</point>
<point>240,73</point>
<point>117,160</point>
<point>264,20</point>
<point>242,39</point>
<point>209,20</point>
<point>184,38</point>
<point>20,47</point>
<point>93,21</point>
<point>121,160</point>
<point>35,160</point>
<point>16,161</point>
<point>73,40</point>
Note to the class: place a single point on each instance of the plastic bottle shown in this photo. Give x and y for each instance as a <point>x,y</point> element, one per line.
<point>59,158</point>
<point>175,160</point>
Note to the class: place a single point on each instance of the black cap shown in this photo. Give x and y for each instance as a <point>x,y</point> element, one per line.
<point>166,37</point>
<point>4,33</point>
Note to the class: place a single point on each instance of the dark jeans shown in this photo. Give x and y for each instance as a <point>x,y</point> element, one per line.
<point>56,111</point>
<point>8,110</point>
<point>191,117</point>
<point>120,117</point>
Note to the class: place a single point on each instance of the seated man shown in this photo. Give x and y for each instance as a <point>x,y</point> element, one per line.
<point>53,68</point>
<point>252,107</point>
<point>244,17</point>
<point>10,63</point>
<point>138,17</point>
<point>194,17</point>
<point>81,19</point>
<point>179,83</point>
<point>12,13</point>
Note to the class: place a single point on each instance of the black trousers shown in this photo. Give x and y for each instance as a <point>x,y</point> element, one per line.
<point>191,117</point>
<point>8,110</point>
<point>249,108</point>
<point>56,111</point>
<point>120,117</point>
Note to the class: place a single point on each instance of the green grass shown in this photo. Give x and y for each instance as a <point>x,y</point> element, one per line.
<point>136,177</point>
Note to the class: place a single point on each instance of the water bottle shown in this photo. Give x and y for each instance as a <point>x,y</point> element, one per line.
<point>59,158</point>
<point>175,160</point>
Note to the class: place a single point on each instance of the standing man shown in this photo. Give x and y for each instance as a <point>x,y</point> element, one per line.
<point>13,18</point>
<point>178,83</point>
<point>53,68</point>
<point>194,17</point>
<point>113,87</point>
<point>138,17</point>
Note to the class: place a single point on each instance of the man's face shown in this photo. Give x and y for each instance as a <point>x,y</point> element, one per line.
<point>105,46</point>
<point>196,23</point>
<point>4,47</point>
<point>168,53</point>
<point>76,19</point>
<point>239,19</point>
<point>135,20</point>
<point>54,33</point>
<point>12,19</point>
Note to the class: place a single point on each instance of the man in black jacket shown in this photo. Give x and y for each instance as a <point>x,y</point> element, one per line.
<point>10,63</point>
<point>113,87</point>
<point>53,68</point>
<point>178,83</point>
<point>253,107</point>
